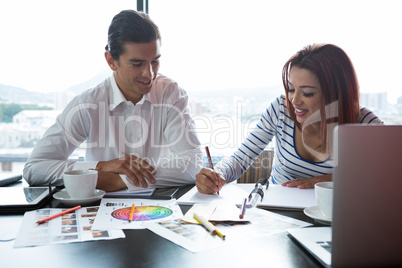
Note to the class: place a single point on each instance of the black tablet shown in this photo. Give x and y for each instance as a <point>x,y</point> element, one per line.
<point>20,199</point>
<point>166,193</point>
<point>9,178</point>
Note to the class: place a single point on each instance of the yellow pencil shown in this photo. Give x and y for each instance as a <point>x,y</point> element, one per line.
<point>130,218</point>
<point>208,225</point>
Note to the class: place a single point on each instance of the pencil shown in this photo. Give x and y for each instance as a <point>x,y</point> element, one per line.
<point>210,227</point>
<point>57,215</point>
<point>211,165</point>
<point>243,208</point>
<point>130,218</point>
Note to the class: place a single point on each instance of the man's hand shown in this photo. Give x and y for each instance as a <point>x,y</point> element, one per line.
<point>307,183</point>
<point>208,181</point>
<point>110,182</point>
<point>136,169</point>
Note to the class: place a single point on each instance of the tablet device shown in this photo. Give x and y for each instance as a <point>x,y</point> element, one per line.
<point>21,199</point>
<point>8,178</point>
<point>166,193</point>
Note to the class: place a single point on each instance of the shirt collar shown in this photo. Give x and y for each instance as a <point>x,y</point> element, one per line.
<point>116,97</point>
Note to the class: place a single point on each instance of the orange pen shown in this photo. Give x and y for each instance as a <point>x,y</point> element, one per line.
<point>58,214</point>
<point>130,218</point>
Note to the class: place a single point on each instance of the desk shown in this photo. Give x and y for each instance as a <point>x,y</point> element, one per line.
<point>143,248</point>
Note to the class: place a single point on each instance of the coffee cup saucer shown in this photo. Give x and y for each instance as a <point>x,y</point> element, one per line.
<point>315,213</point>
<point>65,198</point>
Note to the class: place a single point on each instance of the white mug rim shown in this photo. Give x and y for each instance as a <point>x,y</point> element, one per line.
<point>325,184</point>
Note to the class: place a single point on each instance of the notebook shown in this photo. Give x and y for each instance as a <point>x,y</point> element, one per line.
<point>367,219</point>
<point>275,197</point>
<point>8,178</point>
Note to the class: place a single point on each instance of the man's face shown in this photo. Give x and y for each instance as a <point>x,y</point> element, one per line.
<point>136,68</point>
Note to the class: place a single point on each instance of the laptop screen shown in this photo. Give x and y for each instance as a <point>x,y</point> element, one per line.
<point>367,208</point>
<point>366,225</point>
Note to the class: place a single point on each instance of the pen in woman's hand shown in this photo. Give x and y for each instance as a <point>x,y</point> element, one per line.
<point>211,165</point>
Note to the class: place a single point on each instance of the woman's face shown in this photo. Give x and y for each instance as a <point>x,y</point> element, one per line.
<point>304,93</point>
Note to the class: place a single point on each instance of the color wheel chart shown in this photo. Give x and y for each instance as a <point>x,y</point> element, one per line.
<point>142,213</point>
<point>114,213</point>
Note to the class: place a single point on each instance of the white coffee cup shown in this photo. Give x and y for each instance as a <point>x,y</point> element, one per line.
<point>80,183</point>
<point>324,194</point>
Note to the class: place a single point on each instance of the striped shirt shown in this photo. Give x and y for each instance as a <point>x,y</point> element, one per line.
<point>276,122</point>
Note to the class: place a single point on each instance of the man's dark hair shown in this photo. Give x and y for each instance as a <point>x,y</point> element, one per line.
<point>130,26</point>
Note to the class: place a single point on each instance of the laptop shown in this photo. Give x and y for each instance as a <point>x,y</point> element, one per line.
<point>9,178</point>
<point>367,210</point>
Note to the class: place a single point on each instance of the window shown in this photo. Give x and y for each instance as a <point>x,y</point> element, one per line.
<point>53,50</point>
<point>227,54</point>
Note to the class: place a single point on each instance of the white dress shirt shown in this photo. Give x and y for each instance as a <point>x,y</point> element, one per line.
<point>158,129</point>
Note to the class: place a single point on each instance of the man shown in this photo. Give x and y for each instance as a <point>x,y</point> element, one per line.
<point>136,124</point>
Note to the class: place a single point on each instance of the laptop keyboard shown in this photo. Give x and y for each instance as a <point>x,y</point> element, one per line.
<point>326,245</point>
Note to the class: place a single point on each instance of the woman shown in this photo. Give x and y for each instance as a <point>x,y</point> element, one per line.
<point>321,91</point>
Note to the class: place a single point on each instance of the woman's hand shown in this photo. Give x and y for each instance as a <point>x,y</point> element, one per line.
<point>308,182</point>
<point>208,181</point>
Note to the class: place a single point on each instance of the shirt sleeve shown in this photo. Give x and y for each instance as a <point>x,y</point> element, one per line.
<point>369,117</point>
<point>49,159</point>
<point>234,166</point>
<point>185,160</point>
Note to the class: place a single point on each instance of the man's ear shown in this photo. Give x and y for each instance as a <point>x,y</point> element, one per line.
<point>110,61</point>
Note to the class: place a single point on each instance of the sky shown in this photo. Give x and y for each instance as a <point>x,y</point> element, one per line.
<point>50,45</point>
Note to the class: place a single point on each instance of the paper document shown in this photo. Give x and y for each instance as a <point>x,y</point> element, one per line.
<point>76,226</point>
<point>226,211</point>
<point>215,212</point>
<point>114,213</point>
<point>204,210</point>
<point>276,197</point>
<point>196,238</point>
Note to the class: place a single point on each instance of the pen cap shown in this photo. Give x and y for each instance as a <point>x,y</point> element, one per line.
<point>262,181</point>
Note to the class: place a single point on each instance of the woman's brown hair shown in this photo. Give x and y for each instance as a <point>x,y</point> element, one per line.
<point>338,81</point>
